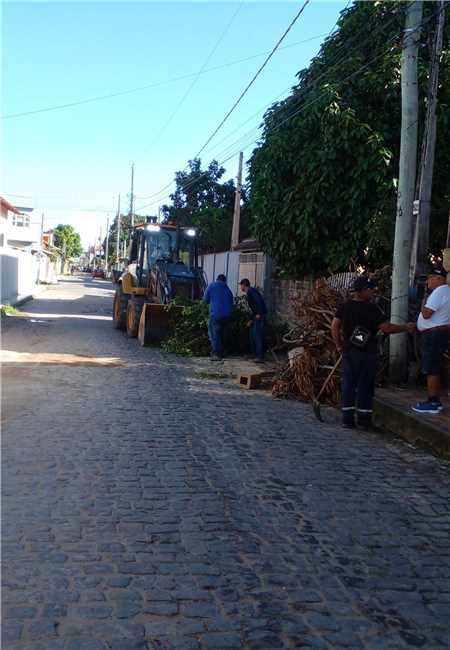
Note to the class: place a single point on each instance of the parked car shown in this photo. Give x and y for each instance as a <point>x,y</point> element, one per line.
<point>98,273</point>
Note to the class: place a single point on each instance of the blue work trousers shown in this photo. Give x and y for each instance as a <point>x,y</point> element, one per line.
<point>257,337</point>
<point>216,332</point>
<point>358,385</point>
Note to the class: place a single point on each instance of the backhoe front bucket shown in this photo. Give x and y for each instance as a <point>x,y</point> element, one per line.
<point>156,323</point>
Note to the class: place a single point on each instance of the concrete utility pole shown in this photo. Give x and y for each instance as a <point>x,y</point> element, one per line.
<point>237,206</point>
<point>420,249</point>
<point>406,187</point>
<point>107,244</point>
<point>132,197</point>
<point>118,232</point>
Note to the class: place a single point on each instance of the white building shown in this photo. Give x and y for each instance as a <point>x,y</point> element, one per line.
<point>23,264</point>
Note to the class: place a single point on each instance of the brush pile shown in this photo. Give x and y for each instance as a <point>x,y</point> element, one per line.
<point>313,353</point>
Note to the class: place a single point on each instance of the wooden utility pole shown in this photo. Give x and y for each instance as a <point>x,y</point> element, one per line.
<point>421,242</point>
<point>237,206</point>
<point>107,244</point>
<point>132,197</point>
<point>406,187</point>
<point>118,232</point>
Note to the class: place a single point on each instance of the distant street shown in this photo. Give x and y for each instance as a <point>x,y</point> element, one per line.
<point>148,508</point>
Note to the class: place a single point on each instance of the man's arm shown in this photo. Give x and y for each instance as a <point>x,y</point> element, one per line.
<point>427,312</point>
<point>207,296</point>
<point>393,328</point>
<point>336,332</point>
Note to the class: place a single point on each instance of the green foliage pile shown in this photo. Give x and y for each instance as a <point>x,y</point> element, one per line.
<point>190,329</point>
<point>68,240</point>
<point>323,178</point>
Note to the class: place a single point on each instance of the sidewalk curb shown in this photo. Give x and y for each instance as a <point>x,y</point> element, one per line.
<point>420,431</point>
<point>21,300</point>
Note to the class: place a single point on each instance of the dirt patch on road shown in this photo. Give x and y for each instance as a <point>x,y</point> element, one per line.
<point>56,358</point>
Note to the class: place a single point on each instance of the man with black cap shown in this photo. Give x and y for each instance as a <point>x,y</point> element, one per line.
<point>354,330</point>
<point>434,325</point>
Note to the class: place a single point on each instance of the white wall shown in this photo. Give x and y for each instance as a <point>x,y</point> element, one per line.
<point>226,263</point>
<point>20,273</point>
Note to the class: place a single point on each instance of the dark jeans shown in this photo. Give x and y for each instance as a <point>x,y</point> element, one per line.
<point>257,337</point>
<point>216,333</point>
<point>434,346</point>
<point>358,385</point>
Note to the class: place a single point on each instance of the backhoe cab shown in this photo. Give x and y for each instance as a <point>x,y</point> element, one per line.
<point>163,265</point>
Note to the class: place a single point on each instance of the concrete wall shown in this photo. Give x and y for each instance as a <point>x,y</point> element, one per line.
<point>20,272</point>
<point>283,293</point>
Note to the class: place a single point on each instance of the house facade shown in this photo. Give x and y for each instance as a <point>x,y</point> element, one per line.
<point>24,265</point>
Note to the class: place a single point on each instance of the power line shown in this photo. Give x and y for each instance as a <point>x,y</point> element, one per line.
<point>156,84</point>
<point>255,76</point>
<point>195,79</point>
<point>301,109</point>
<point>343,47</point>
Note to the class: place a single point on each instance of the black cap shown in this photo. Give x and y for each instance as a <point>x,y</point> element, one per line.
<point>362,283</point>
<point>438,270</point>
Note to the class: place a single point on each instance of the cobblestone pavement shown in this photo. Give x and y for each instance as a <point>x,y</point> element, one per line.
<point>147,508</point>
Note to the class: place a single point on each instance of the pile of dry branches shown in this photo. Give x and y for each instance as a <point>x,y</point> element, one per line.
<point>313,353</point>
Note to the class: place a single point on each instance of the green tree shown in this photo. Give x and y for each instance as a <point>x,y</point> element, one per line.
<point>203,201</point>
<point>323,178</point>
<point>124,235</point>
<point>68,240</point>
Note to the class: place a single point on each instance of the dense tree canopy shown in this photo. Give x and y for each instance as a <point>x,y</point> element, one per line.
<point>202,200</point>
<point>68,240</point>
<point>323,178</point>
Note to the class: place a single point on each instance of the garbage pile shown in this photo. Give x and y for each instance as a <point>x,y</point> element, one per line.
<point>313,353</point>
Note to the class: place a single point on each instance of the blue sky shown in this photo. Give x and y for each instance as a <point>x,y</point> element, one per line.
<point>73,162</point>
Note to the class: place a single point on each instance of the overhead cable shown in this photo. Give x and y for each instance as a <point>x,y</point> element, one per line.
<point>195,79</point>
<point>255,76</point>
<point>155,84</point>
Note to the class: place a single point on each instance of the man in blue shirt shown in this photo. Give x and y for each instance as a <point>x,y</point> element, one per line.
<point>259,311</point>
<point>220,300</point>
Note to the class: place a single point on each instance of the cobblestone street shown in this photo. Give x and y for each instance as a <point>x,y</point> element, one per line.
<point>148,508</point>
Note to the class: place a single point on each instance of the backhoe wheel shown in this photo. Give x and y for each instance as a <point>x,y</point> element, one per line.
<point>134,311</point>
<point>120,308</point>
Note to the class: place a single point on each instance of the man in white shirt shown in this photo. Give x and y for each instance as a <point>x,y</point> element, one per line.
<point>434,325</point>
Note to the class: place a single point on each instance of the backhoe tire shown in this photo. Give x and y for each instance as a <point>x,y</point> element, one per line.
<point>134,311</point>
<point>120,308</point>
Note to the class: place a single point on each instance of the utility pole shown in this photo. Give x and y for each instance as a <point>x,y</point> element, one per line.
<point>237,206</point>
<point>107,244</point>
<point>42,248</point>
<point>118,232</point>
<point>420,250</point>
<point>406,187</point>
<point>42,229</point>
<point>132,197</point>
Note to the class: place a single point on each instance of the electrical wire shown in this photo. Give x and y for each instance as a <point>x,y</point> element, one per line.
<point>156,84</point>
<point>340,59</point>
<point>303,108</point>
<point>194,80</point>
<point>255,76</point>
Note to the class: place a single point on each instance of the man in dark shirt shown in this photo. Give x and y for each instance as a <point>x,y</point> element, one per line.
<point>220,300</point>
<point>259,310</point>
<point>354,330</point>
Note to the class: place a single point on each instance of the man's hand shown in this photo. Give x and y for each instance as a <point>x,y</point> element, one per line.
<point>411,328</point>
<point>258,316</point>
<point>249,323</point>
